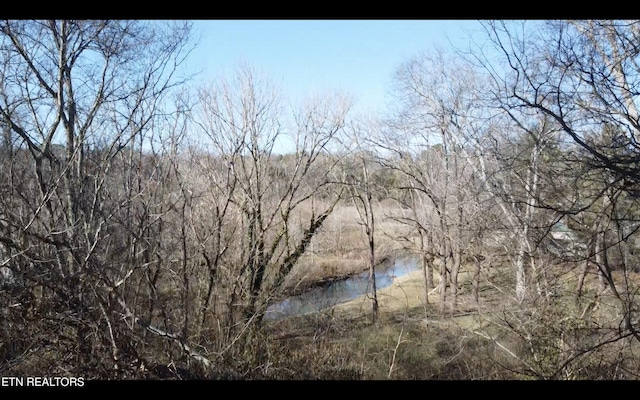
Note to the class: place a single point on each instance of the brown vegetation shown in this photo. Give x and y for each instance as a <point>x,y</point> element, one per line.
<point>146,225</point>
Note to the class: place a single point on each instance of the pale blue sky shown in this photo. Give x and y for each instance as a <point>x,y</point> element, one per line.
<point>354,56</point>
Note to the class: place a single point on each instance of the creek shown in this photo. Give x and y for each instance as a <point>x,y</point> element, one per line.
<point>334,293</point>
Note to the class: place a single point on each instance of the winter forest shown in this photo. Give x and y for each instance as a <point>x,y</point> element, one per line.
<point>151,222</point>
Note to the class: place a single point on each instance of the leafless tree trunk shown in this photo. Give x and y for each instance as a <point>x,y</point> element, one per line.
<point>270,206</point>
<point>362,200</point>
<point>72,102</point>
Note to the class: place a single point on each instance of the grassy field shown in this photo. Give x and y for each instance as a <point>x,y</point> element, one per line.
<point>499,338</point>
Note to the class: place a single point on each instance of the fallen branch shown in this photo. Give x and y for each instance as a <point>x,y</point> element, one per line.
<point>395,351</point>
<point>191,352</point>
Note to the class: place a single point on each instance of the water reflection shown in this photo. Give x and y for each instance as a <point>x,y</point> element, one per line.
<point>338,292</point>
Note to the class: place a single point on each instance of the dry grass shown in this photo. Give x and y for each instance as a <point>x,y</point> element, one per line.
<point>414,340</point>
<point>403,297</point>
<point>340,249</point>
<point>485,341</point>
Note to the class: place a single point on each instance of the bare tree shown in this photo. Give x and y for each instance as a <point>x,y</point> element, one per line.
<point>582,76</point>
<point>362,190</point>
<point>430,118</point>
<point>74,95</point>
<point>363,201</point>
<point>266,213</point>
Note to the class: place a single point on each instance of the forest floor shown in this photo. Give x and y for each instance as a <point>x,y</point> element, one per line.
<point>552,334</point>
<point>496,338</point>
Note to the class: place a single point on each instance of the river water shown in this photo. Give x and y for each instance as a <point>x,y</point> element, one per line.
<point>338,292</point>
